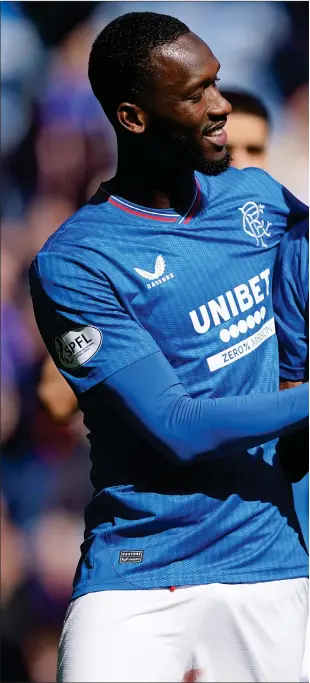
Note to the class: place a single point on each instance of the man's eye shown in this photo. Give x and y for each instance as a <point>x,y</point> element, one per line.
<point>197,98</point>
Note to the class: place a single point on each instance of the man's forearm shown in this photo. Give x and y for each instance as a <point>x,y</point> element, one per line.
<point>149,395</point>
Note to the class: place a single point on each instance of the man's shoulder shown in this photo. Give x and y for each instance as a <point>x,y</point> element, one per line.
<point>80,243</point>
<point>87,223</point>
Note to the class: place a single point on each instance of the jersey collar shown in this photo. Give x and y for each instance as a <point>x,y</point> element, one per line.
<point>163,215</point>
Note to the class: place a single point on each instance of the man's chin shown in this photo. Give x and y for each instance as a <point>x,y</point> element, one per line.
<point>209,166</point>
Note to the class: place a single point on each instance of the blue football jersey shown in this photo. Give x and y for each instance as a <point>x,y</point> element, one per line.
<point>113,285</point>
<point>291,302</point>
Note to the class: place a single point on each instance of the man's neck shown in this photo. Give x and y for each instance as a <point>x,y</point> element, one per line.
<point>153,187</point>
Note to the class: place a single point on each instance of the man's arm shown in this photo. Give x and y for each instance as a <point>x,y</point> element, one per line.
<point>149,396</point>
<point>55,394</point>
<point>291,296</point>
<point>291,301</point>
<point>294,448</point>
<point>288,384</point>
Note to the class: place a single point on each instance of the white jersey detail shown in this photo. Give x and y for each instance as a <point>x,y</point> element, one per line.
<point>242,348</point>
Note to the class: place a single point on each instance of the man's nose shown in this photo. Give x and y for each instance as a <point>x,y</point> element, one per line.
<point>219,106</point>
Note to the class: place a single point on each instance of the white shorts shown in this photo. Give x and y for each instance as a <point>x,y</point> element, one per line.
<point>218,632</point>
<point>306,659</point>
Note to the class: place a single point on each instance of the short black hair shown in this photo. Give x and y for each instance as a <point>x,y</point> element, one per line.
<point>246,103</point>
<point>120,64</point>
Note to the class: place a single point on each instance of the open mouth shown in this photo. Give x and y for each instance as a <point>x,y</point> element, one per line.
<point>217,136</point>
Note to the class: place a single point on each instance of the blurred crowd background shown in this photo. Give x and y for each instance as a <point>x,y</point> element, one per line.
<point>56,146</point>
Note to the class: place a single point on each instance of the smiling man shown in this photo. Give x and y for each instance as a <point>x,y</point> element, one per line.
<point>155,303</point>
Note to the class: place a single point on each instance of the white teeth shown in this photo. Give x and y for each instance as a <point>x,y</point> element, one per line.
<point>217,131</point>
<point>214,133</point>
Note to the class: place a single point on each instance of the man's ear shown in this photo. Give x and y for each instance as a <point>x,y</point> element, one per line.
<point>132,117</point>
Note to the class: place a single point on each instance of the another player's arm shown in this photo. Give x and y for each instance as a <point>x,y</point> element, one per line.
<point>294,448</point>
<point>288,384</point>
<point>131,374</point>
<point>55,394</point>
<point>290,296</point>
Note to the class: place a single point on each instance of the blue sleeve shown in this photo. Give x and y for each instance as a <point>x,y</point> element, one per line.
<point>150,397</point>
<point>291,299</point>
<point>82,321</point>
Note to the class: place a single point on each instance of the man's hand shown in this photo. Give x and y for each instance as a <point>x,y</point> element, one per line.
<point>286,384</point>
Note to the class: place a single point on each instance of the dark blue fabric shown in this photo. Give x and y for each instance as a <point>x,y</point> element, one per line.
<point>291,302</point>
